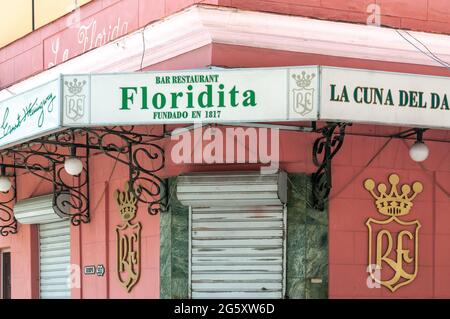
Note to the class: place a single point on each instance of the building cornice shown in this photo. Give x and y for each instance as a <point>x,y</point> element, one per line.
<point>198,26</point>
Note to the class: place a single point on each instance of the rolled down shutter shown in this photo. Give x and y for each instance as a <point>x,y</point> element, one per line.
<point>54,249</point>
<point>54,242</point>
<point>237,234</point>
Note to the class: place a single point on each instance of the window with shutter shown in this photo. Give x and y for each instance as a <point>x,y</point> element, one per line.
<point>237,234</point>
<point>54,260</point>
<point>54,243</point>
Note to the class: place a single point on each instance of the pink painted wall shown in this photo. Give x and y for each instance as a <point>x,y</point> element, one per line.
<point>97,240</point>
<point>351,205</point>
<point>24,279</point>
<point>91,244</point>
<point>241,56</point>
<point>94,243</point>
<point>24,246</point>
<point>421,15</point>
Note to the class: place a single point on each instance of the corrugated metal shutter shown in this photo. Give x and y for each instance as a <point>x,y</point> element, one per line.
<point>39,210</point>
<point>237,239</point>
<point>54,249</point>
<point>247,189</point>
<point>237,252</point>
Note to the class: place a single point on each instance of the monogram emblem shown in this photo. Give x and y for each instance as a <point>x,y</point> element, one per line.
<point>393,243</point>
<point>128,240</point>
<point>303,95</point>
<point>75,101</point>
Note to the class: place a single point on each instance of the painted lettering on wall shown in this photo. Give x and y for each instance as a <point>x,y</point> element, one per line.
<point>90,36</point>
<point>86,37</point>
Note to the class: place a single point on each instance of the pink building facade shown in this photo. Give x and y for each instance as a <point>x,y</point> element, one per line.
<point>326,249</point>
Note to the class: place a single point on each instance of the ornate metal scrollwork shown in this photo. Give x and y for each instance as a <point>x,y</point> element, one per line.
<point>144,157</point>
<point>143,176</point>
<point>8,224</point>
<point>71,194</point>
<point>45,158</point>
<point>324,149</point>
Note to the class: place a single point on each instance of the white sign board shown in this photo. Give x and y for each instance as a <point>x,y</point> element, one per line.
<point>364,96</point>
<point>31,114</point>
<point>214,96</point>
<point>227,96</point>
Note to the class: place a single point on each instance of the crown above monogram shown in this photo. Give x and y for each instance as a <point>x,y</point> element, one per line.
<point>304,80</point>
<point>394,203</point>
<point>127,203</point>
<point>75,86</point>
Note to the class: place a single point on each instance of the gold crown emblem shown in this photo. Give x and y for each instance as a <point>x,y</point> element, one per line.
<point>304,80</point>
<point>127,203</point>
<point>75,87</point>
<point>393,204</point>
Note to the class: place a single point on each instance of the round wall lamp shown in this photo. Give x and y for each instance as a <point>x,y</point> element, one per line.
<point>5,183</point>
<point>73,165</point>
<point>419,150</point>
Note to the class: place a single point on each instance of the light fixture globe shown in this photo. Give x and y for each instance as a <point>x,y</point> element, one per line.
<point>73,166</point>
<point>5,184</point>
<point>419,152</point>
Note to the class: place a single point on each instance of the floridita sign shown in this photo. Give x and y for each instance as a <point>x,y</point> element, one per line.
<point>214,96</point>
<point>307,93</point>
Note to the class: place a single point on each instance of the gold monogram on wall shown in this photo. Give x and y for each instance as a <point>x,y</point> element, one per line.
<point>128,240</point>
<point>393,243</point>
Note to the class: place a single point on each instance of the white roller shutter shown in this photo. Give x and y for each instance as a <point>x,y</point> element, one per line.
<point>54,256</point>
<point>39,210</point>
<point>238,231</point>
<point>237,252</point>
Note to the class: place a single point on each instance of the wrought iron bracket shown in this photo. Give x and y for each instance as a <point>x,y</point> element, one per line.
<point>45,158</point>
<point>324,149</point>
<point>8,224</point>
<point>144,157</point>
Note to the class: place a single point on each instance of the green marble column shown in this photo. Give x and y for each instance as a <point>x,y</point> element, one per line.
<point>307,242</point>
<point>174,259</point>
